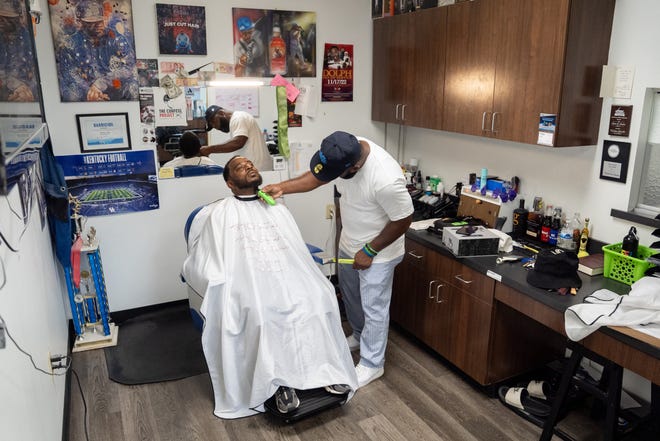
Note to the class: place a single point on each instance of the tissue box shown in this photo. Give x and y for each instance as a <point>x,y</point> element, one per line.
<point>480,243</point>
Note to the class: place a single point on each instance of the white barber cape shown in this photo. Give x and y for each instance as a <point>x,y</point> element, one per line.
<point>271,317</point>
<point>640,310</point>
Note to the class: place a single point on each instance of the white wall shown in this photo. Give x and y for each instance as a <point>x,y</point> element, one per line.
<point>31,304</point>
<point>142,252</point>
<point>566,177</point>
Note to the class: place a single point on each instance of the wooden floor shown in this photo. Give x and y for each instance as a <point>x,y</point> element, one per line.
<point>418,398</point>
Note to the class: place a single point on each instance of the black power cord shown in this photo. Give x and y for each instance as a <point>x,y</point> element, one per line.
<point>82,395</point>
<point>54,359</point>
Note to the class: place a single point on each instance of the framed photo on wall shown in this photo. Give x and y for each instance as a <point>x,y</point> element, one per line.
<point>103,131</point>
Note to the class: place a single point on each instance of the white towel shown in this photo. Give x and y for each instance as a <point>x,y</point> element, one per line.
<point>506,243</point>
<point>640,310</point>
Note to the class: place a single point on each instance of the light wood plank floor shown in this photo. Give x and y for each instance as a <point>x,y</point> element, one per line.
<point>418,398</point>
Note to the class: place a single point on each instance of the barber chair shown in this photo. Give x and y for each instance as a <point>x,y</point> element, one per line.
<point>312,401</point>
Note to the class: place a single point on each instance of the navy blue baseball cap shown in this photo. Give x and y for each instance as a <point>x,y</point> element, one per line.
<point>339,152</point>
<point>210,113</point>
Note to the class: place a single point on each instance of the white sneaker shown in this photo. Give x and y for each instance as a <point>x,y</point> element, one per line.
<point>353,344</point>
<point>366,375</point>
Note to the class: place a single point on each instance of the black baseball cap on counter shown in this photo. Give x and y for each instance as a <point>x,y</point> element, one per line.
<point>555,269</point>
<point>339,151</point>
<point>210,113</point>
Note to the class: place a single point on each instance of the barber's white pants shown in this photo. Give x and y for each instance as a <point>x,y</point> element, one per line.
<point>366,295</point>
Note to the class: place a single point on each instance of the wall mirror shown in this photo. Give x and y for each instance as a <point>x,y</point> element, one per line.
<point>22,128</point>
<point>259,101</point>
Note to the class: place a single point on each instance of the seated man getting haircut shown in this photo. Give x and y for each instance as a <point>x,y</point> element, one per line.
<point>272,323</point>
<point>190,145</point>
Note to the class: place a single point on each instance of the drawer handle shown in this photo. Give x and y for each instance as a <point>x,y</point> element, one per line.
<point>410,253</point>
<point>460,277</point>
<point>437,294</point>
<point>430,287</point>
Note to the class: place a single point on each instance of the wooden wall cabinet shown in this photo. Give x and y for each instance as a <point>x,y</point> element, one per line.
<point>508,61</point>
<point>451,308</point>
<point>408,68</point>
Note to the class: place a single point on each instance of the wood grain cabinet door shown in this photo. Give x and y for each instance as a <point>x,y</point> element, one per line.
<point>472,29</point>
<point>425,86</point>
<point>410,289</point>
<point>528,73</point>
<point>393,40</point>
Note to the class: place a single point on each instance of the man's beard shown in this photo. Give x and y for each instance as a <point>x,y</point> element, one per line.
<point>249,184</point>
<point>349,175</point>
<point>224,125</point>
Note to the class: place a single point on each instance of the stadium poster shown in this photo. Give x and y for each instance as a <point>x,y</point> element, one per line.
<point>337,79</point>
<point>181,29</point>
<point>269,42</point>
<point>112,183</point>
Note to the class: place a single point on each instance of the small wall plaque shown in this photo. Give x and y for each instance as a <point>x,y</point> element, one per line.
<point>620,120</point>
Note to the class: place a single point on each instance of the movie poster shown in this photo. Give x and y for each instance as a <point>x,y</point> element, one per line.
<point>337,80</point>
<point>270,42</point>
<point>112,183</point>
<point>94,50</point>
<point>181,29</point>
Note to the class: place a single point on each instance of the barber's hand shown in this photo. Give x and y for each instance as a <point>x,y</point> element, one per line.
<point>205,151</point>
<point>362,261</point>
<point>273,189</point>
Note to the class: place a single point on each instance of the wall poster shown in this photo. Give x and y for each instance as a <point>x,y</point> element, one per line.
<point>112,183</point>
<point>18,82</point>
<point>181,29</point>
<point>337,82</point>
<point>270,42</point>
<point>94,50</point>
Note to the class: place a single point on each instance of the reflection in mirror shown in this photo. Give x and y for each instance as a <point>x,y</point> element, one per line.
<point>266,114</point>
<point>21,120</point>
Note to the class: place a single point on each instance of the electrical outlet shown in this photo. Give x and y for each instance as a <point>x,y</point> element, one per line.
<point>55,362</point>
<point>329,211</point>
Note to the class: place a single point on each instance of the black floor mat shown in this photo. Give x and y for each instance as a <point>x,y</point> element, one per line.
<point>157,346</point>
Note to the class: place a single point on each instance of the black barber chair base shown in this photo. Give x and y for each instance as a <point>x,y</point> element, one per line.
<point>312,401</point>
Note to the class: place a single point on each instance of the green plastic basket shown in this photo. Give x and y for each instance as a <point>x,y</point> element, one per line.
<point>624,268</point>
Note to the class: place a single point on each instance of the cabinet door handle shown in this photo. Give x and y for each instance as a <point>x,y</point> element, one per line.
<point>483,122</point>
<point>430,287</point>
<point>492,122</point>
<point>412,254</point>
<point>396,111</point>
<point>437,293</point>
<point>460,277</point>
<point>403,112</point>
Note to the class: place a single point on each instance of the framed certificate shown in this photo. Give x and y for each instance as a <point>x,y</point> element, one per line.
<point>103,131</point>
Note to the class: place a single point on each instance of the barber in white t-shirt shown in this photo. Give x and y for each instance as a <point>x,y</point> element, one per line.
<point>376,211</point>
<point>246,138</point>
